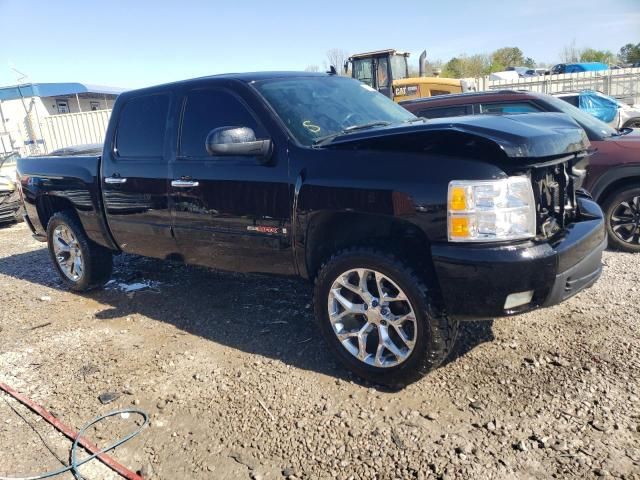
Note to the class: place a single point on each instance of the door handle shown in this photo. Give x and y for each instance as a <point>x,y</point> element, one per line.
<point>115,180</point>
<point>184,183</point>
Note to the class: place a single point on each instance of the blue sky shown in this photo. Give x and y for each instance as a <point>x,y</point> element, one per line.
<point>138,43</point>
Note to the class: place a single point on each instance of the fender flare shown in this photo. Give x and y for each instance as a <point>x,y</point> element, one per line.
<point>612,176</point>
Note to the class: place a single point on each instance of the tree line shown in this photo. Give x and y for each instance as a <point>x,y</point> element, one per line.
<point>479,65</point>
<point>502,58</point>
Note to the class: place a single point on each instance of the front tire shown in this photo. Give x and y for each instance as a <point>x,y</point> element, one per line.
<point>622,215</point>
<point>81,264</point>
<point>379,318</point>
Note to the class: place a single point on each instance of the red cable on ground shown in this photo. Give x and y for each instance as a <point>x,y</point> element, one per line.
<point>72,434</point>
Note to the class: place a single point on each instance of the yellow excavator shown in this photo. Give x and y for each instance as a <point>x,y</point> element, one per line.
<point>388,72</point>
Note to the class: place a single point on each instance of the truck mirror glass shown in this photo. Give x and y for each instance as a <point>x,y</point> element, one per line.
<point>237,141</point>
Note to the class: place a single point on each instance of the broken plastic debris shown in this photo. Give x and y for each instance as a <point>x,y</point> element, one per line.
<point>133,287</point>
<point>108,397</point>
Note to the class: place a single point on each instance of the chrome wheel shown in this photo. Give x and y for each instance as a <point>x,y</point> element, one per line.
<point>372,317</point>
<point>68,254</point>
<point>625,221</point>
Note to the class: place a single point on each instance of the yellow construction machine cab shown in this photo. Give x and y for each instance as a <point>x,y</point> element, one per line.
<point>388,72</point>
<point>379,69</point>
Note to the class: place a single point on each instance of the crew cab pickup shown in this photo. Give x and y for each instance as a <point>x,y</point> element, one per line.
<point>407,226</point>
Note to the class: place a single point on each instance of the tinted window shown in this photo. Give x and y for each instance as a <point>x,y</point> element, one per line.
<point>209,109</point>
<point>141,126</point>
<point>571,99</point>
<point>439,92</point>
<point>454,111</point>
<point>515,107</point>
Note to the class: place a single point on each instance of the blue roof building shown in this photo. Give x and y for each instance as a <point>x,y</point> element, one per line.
<point>27,114</point>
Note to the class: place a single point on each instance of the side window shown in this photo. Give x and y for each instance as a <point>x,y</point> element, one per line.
<point>141,127</point>
<point>441,92</point>
<point>572,99</point>
<point>383,73</point>
<point>453,111</point>
<point>515,107</point>
<point>209,109</point>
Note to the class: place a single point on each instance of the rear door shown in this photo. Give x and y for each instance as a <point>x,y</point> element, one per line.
<point>229,212</point>
<point>135,174</point>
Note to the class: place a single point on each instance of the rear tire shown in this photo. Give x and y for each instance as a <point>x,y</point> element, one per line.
<point>82,264</point>
<point>423,342</point>
<point>622,218</point>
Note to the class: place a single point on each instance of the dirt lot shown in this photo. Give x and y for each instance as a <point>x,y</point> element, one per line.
<point>238,383</point>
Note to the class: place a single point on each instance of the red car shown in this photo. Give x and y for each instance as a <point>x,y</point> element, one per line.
<point>613,176</point>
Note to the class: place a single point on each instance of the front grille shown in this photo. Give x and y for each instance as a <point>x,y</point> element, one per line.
<point>554,189</point>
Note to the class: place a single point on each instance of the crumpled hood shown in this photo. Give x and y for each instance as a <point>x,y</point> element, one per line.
<point>531,135</point>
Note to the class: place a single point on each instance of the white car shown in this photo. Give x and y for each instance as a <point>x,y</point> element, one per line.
<point>9,197</point>
<point>626,116</point>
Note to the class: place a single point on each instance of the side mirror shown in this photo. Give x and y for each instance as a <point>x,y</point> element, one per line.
<point>228,141</point>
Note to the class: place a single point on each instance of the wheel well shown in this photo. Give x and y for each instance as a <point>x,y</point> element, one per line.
<point>631,121</point>
<point>617,185</point>
<point>329,233</point>
<point>47,205</point>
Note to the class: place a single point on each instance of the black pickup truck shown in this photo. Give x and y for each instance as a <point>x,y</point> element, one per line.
<point>407,226</point>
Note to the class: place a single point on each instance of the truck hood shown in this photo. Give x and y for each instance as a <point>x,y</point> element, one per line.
<point>519,136</point>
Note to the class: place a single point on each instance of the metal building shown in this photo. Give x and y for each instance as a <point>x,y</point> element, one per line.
<point>40,117</point>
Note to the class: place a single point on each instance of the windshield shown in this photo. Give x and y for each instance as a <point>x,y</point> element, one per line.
<point>586,121</point>
<point>314,107</point>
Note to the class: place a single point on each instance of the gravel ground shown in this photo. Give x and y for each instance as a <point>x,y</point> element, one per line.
<point>238,383</point>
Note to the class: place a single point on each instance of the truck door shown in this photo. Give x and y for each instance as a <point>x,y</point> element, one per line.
<point>135,173</point>
<point>383,76</point>
<point>229,212</point>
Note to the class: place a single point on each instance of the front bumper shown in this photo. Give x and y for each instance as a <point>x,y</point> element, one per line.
<point>475,280</point>
<point>9,206</point>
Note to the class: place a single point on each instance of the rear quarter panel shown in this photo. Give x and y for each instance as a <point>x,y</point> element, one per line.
<point>71,179</point>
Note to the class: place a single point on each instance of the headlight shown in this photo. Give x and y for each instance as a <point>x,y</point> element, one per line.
<point>491,210</point>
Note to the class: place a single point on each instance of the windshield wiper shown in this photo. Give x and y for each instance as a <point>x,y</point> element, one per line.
<point>353,128</point>
<point>364,126</point>
<point>414,120</point>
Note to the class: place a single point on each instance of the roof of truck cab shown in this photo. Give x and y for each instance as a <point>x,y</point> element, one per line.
<point>376,53</point>
<point>246,77</point>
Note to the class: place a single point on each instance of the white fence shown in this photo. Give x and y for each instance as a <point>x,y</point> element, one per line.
<point>70,129</point>
<point>623,83</point>
<point>5,143</point>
